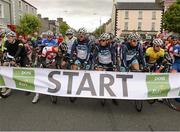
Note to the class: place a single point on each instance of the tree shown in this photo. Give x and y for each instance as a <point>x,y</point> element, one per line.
<point>63,28</point>
<point>99,31</point>
<point>28,24</point>
<point>171,18</point>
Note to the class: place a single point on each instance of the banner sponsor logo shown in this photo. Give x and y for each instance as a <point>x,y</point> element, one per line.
<point>158,85</point>
<point>24,79</point>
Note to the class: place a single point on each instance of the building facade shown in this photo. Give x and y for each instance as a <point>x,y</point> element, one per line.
<point>47,24</point>
<point>144,18</point>
<point>5,13</point>
<point>21,7</point>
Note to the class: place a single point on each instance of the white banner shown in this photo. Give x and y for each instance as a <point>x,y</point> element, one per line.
<point>92,84</point>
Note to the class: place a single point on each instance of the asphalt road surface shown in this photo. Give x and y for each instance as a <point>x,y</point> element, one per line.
<point>18,113</point>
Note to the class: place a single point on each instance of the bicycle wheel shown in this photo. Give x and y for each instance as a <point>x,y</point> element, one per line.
<point>139,105</point>
<point>174,104</point>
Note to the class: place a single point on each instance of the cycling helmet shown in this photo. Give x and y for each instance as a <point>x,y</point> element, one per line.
<point>158,42</point>
<point>11,33</point>
<point>111,36</point>
<point>50,33</point>
<point>69,32</point>
<point>82,30</point>
<point>104,36</point>
<point>175,37</point>
<point>133,36</point>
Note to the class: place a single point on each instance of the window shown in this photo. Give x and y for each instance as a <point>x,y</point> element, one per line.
<point>153,26</point>
<point>126,14</point>
<point>1,11</point>
<point>126,26</point>
<point>27,8</point>
<point>20,5</point>
<point>153,15</point>
<point>140,15</point>
<point>139,25</point>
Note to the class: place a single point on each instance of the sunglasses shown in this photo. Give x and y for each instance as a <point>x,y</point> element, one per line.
<point>103,40</point>
<point>68,34</point>
<point>134,40</point>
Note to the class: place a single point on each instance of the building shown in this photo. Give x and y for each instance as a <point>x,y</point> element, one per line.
<point>108,26</point>
<point>21,7</point>
<point>166,3</point>
<point>47,24</point>
<point>11,12</point>
<point>5,13</point>
<point>54,26</point>
<point>144,18</point>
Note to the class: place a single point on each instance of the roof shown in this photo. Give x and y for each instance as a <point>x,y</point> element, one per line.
<point>29,4</point>
<point>138,6</point>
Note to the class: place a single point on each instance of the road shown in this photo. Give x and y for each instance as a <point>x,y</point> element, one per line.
<point>18,113</point>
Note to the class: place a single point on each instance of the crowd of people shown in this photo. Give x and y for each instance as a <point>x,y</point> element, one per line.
<point>80,51</point>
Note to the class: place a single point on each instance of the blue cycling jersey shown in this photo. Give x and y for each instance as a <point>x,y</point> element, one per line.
<point>49,43</point>
<point>176,49</point>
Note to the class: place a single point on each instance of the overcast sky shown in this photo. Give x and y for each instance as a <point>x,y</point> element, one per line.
<point>78,13</point>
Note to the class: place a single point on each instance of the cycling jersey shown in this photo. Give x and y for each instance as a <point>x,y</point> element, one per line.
<point>104,55</point>
<point>154,56</point>
<point>49,50</point>
<point>176,50</point>
<point>16,50</point>
<point>69,43</point>
<point>50,43</point>
<point>131,55</point>
<point>82,49</point>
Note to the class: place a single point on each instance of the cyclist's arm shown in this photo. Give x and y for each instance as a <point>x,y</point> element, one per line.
<point>89,51</point>
<point>73,49</point>
<point>95,54</point>
<point>141,55</point>
<point>124,52</point>
<point>113,55</point>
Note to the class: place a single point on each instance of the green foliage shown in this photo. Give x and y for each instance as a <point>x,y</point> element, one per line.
<point>99,31</point>
<point>63,28</point>
<point>28,24</point>
<point>171,18</point>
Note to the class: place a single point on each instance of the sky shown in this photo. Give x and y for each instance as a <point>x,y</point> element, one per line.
<point>78,13</point>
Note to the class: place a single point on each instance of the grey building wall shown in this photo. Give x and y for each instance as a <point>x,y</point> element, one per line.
<point>18,11</point>
<point>6,17</point>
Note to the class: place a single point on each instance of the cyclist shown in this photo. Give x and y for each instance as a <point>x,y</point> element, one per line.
<point>155,55</point>
<point>16,52</point>
<point>50,46</point>
<point>16,49</point>
<point>69,40</point>
<point>176,53</point>
<point>104,54</point>
<point>132,54</point>
<point>82,48</point>
<point>49,41</point>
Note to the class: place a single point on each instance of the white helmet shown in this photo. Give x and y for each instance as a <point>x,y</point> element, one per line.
<point>70,32</point>
<point>133,36</point>
<point>11,33</point>
<point>158,42</point>
<point>82,30</point>
<point>50,33</point>
<point>104,36</point>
